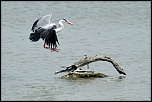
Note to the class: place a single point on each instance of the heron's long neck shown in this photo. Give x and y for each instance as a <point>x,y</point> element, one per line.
<point>61,26</point>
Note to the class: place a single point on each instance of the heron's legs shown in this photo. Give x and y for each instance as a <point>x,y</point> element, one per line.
<point>45,46</point>
<point>52,49</point>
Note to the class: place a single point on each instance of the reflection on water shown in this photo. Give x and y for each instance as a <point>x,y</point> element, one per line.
<point>120,30</point>
<point>120,78</point>
<point>79,80</point>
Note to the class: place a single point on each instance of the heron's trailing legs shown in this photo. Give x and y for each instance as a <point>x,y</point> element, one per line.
<point>52,49</point>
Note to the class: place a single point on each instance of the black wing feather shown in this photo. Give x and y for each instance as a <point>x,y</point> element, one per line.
<point>49,36</point>
<point>34,24</point>
<point>35,36</point>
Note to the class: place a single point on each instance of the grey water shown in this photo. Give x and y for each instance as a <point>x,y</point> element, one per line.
<point>118,29</point>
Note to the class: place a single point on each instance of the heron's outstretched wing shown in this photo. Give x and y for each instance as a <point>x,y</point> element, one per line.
<point>34,25</point>
<point>49,36</point>
<point>41,22</point>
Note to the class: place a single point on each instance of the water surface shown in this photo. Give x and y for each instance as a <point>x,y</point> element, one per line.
<point>121,30</point>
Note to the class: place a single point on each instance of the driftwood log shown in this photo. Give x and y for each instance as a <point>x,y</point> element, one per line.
<point>86,60</point>
<point>84,75</point>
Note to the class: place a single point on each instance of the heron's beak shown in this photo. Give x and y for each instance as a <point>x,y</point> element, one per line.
<point>70,23</point>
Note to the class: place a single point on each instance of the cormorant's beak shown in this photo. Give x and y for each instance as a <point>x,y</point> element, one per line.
<point>69,22</point>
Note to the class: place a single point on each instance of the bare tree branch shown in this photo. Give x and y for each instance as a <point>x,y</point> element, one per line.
<point>87,60</point>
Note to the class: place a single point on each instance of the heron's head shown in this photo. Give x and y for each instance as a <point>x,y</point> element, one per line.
<point>68,22</point>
